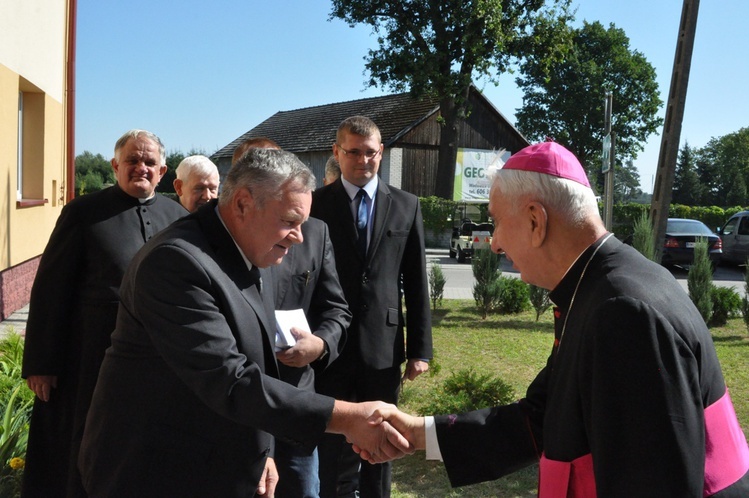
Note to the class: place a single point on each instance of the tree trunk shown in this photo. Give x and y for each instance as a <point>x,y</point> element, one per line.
<point>452,114</point>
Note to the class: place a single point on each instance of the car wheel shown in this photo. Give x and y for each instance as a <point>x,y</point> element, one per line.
<point>461,257</point>
<point>452,253</point>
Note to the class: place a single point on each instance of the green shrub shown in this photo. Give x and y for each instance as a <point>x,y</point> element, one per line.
<point>539,298</point>
<point>487,288</point>
<point>437,283</point>
<point>15,410</point>
<point>467,390</point>
<point>700,280</point>
<point>745,299</point>
<point>643,238</point>
<point>514,295</point>
<point>726,304</point>
<point>438,213</point>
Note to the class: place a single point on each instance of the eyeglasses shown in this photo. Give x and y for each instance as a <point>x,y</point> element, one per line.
<point>370,154</point>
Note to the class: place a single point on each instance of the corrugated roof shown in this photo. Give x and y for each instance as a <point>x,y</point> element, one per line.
<point>314,128</point>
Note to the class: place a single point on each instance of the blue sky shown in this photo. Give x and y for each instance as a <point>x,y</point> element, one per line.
<point>199,74</point>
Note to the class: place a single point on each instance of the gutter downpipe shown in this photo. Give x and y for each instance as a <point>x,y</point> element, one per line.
<point>70,101</point>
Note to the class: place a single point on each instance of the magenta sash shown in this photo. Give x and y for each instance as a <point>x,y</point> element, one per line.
<point>726,452</point>
<point>567,479</point>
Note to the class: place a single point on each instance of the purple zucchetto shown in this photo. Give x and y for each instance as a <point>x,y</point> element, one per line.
<point>549,158</point>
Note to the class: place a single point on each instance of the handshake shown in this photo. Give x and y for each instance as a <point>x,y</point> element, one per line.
<point>378,431</point>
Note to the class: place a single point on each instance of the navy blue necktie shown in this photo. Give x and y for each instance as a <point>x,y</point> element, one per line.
<point>361,222</point>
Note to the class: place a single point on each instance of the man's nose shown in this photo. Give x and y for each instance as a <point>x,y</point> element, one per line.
<point>295,235</point>
<point>495,246</point>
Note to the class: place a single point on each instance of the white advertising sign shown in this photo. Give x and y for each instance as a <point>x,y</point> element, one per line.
<point>471,173</point>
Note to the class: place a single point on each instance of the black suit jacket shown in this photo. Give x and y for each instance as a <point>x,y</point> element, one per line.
<point>307,279</point>
<point>188,392</point>
<point>372,285</point>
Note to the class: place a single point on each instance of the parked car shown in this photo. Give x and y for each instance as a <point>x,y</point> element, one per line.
<point>735,236</point>
<point>681,236</point>
<point>470,237</point>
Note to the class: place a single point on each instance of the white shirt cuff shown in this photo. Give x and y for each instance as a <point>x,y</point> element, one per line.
<point>432,444</point>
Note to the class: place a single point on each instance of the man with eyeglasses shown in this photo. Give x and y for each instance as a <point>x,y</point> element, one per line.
<point>378,237</point>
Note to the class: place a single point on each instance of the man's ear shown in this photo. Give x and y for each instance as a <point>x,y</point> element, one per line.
<point>177,186</point>
<point>539,220</point>
<point>115,165</point>
<point>243,202</point>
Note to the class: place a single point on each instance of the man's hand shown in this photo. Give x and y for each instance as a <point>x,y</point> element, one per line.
<point>42,385</point>
<point>381,442</point>
<point>269,480</point>
<point>307,349</point>
<point>414,368</point>
<point>410,427</point>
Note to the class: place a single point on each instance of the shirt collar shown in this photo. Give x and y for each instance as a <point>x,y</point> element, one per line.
<point>370,188</point>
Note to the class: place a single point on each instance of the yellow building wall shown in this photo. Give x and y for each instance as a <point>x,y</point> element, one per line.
<point>33,53</point>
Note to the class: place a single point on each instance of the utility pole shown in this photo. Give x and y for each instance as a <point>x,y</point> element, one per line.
<point>607,163</point>
<point>677,96</point>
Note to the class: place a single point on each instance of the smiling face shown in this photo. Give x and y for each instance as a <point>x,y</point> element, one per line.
<point>359,157</point>
<point>197,190</point>
<point>138,167</point>
<point>265,233</point>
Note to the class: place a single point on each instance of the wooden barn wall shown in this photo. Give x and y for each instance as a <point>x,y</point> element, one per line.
<point>419,171</point>
<point>316,162</point>
<point>484,129</point>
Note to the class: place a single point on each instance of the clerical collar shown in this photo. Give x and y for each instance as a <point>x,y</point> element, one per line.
<point>562,293</point>
<point>134,200</point>
<point>246,261</point>
<point>370,188</point>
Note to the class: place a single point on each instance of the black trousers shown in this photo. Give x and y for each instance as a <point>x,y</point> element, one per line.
<point>342,472</point>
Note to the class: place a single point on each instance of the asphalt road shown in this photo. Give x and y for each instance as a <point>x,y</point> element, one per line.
<point>460,280</point>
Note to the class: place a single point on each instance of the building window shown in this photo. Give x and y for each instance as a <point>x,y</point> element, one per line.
<point>30,166</point>
<point>19,190</point>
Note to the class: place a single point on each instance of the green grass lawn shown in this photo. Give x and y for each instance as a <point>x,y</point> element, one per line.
<point>515,348</point>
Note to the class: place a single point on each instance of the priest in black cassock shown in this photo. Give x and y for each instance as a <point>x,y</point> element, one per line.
<point>632,401</point>
<point>74,303</point>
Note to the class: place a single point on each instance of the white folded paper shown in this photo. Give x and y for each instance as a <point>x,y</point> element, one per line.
<point>285,320</point>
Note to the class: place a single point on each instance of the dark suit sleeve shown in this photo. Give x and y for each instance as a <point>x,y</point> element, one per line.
<point>329,311</point>
<point>206,332</point>
<point>486,444</point>
<point>416,292</point>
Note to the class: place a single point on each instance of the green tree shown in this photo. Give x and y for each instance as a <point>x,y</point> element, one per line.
<point>687,188</point>
<point>626,182</point>
<point>92,173</point>
<point>709,173</point>
<point>643,237</point>
<point>487,288</point>
<point>723,168</point>
<point>437,47</point>
<point>437,283</point>
<point>568,104</point>
<point>539,300</point>
<point>700,280</point>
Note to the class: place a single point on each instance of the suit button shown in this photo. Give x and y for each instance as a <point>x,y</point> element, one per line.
<point>365,280</point>
<point>365,307</point>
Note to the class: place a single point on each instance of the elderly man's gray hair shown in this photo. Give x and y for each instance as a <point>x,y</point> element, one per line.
<point>198,164</point>
<point>135,133</point>
<point>575,202</point>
